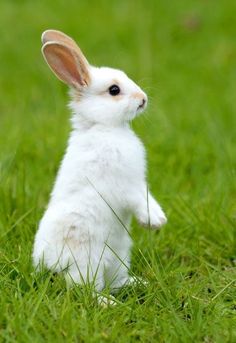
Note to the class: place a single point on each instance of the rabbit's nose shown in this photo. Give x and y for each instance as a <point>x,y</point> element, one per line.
<point>143,102</point>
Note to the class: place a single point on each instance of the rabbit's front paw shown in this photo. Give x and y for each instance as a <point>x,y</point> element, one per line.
<point>153,218</point>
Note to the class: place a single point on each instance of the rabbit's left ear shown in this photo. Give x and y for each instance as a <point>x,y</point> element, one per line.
<point>68,63</point>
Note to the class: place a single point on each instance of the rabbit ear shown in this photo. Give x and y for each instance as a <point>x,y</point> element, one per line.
<point>58,36</point>
<point>69,65</point>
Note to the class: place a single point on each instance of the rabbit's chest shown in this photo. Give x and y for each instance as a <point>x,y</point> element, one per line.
<point>105,157</point>
<point>122,150</point>
<point>121,158</point>
<point>118,156</point>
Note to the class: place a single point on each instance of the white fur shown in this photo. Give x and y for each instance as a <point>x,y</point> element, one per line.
<point>101,183</point>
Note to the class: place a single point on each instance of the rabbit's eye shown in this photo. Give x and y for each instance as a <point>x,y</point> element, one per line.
<point>114,90</point>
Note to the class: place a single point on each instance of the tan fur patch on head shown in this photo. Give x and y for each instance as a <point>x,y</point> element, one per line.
<point>116,97</point>
<point>114,82</point>
<point>137,95</point>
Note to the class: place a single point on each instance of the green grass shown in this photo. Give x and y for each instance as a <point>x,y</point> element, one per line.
<point>183,54</point>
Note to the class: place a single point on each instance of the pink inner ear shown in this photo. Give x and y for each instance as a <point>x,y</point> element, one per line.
<point>65,63</point>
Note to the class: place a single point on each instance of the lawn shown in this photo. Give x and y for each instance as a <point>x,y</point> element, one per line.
<point>183,54</point>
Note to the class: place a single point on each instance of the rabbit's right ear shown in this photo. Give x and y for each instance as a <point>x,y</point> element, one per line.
<point>69,65</point>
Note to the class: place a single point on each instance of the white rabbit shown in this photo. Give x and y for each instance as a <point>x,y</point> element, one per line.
<point>101,183</point>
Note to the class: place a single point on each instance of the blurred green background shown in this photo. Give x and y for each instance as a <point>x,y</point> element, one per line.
<point>183,54</point>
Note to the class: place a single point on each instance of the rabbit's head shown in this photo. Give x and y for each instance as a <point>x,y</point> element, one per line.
<point>99,95</point>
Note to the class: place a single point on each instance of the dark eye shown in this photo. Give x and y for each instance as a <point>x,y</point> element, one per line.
<point>114,90</point>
